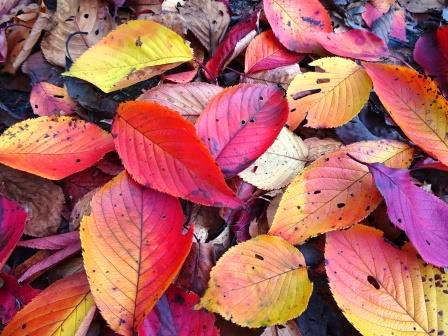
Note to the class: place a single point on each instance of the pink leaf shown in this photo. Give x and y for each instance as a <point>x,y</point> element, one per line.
<point>174,315</point>
<point>55,242</point>
<point>12,224</point>
<point>47,99</point>
<point>240,123</point>
<point>420,214</point>
<point>355,43</point>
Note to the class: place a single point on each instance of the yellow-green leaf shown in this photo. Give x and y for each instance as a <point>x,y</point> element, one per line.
<point>384,290</point>
<point>260,282</point>
<point>134,52</point>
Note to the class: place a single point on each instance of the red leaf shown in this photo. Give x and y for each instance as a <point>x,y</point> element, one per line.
<point>431,52</point>
<point>174,315</point>
<point>265,52</point>
<point>355,43</point>
<point>12,224</point>
<point>160,149</point>
<point>419,213</point>
<point>223,54</point>
<point>55,242</point>
<point>240,123</point>
<point>13,296</point>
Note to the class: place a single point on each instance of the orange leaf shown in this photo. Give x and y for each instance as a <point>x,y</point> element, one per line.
<point>53,147</point>
<point>294,23</point>
<point>415,104</point>
<point>260,282</point>
<point>58,310</point>
<point>133,248</point>
<point>335,191</point>
<point>160,149</point>
<point>383,290</point>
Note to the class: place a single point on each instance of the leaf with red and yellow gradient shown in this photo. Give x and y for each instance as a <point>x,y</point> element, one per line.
<point>260,282</point>
<point>53,147</point>
<point>330,97</point>
<point>335,191</point>
<point>58,310</point>
<point>186,321</point>
<point>415,104</point>
<point>384,290</point>
<point>135,51</point>
<point>241,123</point>
<point>265,52</point>
<point>160,149</point>
<point>12,224</point>
<point>295,23</point>
<point>133,247</point>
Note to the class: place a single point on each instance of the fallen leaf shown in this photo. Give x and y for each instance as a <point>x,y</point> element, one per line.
<point>12,224</point>
<point>335,192</point>
<point>281,76</point>
<point>174,315</point>
<point>415,104</point>
<point>294,23</point>
<point>81,208</point>
<point>133,52</point>
<point>318,147</point>
<point>61,308</point>
<point>47,99</point>
<point>195,177</point>
<point>32,146</point>
<point>235,41</point>
<point>189,99</point>
<point>265,52</point>
<point>329,98</point>
<point>88,16</point>
<point>422,6</point>
<point>260,282</point>
<point>206,19</point>
<point>13,296</point>
<point>355,43</point>
<point>417,212</point>
<point>254,115</point>
<point>131,254</point>
<point>279,164</point>
<point>40,198</point>
<point>54,242</point>
<point>383,290</point>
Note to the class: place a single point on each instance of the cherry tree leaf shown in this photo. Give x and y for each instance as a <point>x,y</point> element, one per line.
<point>330,98</point>
<point>254,115</point>
<point>53,147</point>
<point>160,149</point>
<point>335,191</point>
<point>133,247</point>
<point>135,51</point>
<point>294,23</point>
<point>260,282</point>
<point>59,310</point>
<point>47,99</point>
<point>415,104</point>
<point>383,290</point>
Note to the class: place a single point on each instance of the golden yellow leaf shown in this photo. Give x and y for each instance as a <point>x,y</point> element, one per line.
<point>260,282</point>
<point>330,98</point>
<point>135,51</point>
<point>279,164</point>
<point>335,191</point>
<point>384,290</point>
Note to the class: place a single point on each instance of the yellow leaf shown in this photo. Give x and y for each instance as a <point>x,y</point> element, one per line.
<point>58,310</point>
<point>134,52</point>
<point>330,98</point>
<point>335,191</point>
<point>260,282</point>
<point>383,290</point>
<point>279,164</point>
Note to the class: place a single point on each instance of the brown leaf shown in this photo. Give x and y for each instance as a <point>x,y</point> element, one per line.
<point>81,208</point>
<point>90,16</point>
<point>281,76</point>
<point>318,147</point>
<point>41,199</point>
<point>206,19</point>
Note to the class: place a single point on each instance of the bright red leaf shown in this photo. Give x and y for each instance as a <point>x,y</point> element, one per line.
<point>240,123</point>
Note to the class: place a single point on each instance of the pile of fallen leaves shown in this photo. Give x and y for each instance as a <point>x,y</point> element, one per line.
<point>206,167</point>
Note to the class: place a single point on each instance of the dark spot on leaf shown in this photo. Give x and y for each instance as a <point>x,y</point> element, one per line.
<point>340,205</point>
<point>372,280</point>
<point>259,257</point>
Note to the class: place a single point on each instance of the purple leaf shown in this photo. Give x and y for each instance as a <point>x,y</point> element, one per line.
<point>55,242</point>
<point>419,213</point>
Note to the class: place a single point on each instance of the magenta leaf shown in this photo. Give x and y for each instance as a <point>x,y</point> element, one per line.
<point>54,242</point>
<point>420,214</point>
